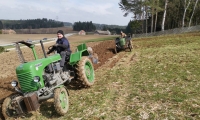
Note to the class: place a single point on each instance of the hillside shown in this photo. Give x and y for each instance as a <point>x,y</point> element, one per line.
<point>97,25</point>
<point>101,26</point>
<point>31,24</point>
<point>68,24</point>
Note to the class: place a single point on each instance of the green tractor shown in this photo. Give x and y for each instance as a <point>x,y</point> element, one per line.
<point>41,79</point>
<point>123,44</point>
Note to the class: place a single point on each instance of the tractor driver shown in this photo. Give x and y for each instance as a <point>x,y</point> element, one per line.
<point>123,35</point>
<point>62,47</point>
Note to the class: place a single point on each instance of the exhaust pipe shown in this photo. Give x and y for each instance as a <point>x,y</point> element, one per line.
<point>19,53</point>
<point>45,55</point>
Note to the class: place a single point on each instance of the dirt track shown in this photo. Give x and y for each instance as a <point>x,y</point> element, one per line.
<point>103,49</point>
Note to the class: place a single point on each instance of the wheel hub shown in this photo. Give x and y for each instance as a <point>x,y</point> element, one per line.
<point>63,100</point>
<point>87,71</point>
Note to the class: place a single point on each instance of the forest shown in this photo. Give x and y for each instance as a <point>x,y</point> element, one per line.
<point>30,24</point>
<point>87,26</point>
<point>160,15</point>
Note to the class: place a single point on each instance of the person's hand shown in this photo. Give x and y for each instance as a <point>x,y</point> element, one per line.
<point>55,45</point>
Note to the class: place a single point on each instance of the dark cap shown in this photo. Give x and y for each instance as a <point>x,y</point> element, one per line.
<point>61,32</point>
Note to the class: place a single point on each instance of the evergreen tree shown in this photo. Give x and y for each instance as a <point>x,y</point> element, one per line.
<point>87,26</point>
<point>162,14</point>
<point>32,24</point>
<point>133,27</point>
<point>1,25</point>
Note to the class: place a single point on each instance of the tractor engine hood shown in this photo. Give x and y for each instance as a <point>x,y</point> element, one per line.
<point>26,73</point>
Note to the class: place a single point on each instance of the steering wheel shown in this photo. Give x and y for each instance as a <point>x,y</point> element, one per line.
<point>50,47</point>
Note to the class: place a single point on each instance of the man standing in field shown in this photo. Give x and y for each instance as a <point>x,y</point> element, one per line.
<point>62,47</point>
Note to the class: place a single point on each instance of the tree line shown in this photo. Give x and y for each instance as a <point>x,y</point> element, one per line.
<point>103,26</point>
<point>115,29</point>
<point>86,26</point>
<point>1,25</point>
<point>30,24</point>
<point>157,15</point>
<point>45,23</point>
<point>91,27</point>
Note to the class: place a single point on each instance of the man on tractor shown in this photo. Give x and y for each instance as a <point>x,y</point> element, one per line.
<point>123,35</point>
<point>62,47</point>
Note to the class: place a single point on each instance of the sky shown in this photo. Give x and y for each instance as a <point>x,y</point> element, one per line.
<point>97,11</point>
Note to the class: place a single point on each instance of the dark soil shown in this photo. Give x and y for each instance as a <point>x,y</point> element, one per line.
<point>104,50</point>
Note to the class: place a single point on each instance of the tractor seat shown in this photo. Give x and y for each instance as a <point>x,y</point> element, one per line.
<point>67,57</point>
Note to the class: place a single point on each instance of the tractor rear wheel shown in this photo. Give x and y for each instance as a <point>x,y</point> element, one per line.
<point>61,101</point>
<point>85,72</point>
<point>6,111</point>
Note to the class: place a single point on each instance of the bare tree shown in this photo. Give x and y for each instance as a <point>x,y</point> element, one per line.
<point>185,10</point>
<point>157,9</point>
<point>156,21</point>
<point>152,14</point>
<point>146,18</point>
<point>193,12</point>
<point>164,15</point>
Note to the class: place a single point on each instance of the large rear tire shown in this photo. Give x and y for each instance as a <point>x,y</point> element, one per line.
<point>6,111</point>
<point>85,72</point>
<point>61,101</point>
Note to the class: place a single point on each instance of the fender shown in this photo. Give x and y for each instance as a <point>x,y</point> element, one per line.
<point>81,51</point>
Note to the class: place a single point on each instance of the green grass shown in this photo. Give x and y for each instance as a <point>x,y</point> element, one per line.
<point>9,46</point>
<point>163,83</point>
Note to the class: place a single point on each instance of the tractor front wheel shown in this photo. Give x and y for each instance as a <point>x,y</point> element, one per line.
<point>85,72</point>
<point>6,111</point>
<point>61,101</point>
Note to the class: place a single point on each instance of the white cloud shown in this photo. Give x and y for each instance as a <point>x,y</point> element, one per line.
<point>106,12</point>
<point>96,9</point>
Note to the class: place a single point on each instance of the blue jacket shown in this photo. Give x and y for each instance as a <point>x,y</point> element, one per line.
<point>63,45</point>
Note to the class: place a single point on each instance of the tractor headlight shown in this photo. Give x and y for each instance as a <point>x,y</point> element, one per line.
<point>36,79</point>
<point>14,83</point>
